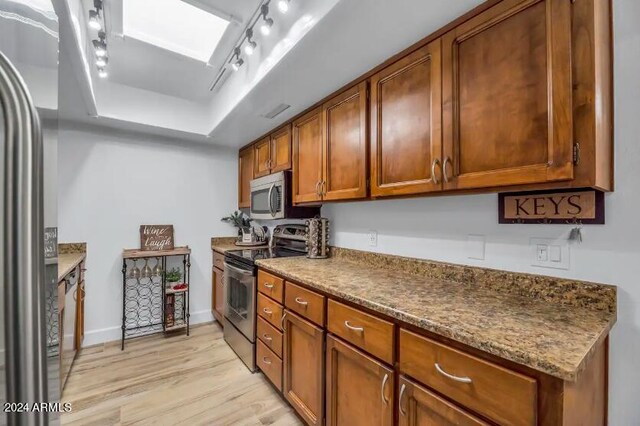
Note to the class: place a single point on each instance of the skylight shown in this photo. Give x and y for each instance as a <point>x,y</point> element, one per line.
<point>174,25</point>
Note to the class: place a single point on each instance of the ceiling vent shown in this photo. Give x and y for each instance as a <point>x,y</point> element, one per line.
<point>279,109</point>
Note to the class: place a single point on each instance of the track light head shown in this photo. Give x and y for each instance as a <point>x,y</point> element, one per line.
<point>101,61</point>
<point>267,23</point>
<point>94,20</point>
<point>102,73</point>
<point>237,64</point>
<point>283,6</point>
<point>251,45</point>
<point>100,45</point>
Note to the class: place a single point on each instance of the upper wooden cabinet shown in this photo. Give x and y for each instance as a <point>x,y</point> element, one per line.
<point>345,145</point>
<point>273,153</point>
<point>507,96</point>
<point>330,149</point>
<point>406,129</point>
<point>307,157</point>
<point>245,174</point>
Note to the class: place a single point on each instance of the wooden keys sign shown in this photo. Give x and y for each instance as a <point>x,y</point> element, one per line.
<point>584,206</point>
<point>156,237</point>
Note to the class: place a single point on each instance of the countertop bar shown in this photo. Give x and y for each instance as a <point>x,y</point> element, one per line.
<point>68,261</point>
<point>554,333</point>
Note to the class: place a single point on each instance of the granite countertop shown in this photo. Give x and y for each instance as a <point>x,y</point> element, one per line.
<point>534,331</point>
<point>68,261</point>
<point>223,244</point>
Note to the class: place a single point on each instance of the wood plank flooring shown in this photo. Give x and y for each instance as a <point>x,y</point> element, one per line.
<point>195,380</point>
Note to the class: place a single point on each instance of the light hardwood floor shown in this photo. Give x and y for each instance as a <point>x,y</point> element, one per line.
<point>196,380</point>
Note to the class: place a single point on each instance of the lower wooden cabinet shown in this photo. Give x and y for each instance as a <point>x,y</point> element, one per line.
<point>419,407</point>
<point>303,363</point>
<point>359,388</point>
<point>269,363</point>
<point>217,293</point>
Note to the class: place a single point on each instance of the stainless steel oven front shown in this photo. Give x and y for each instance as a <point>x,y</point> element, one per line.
<point>268,196</point>
<point>240,310</point>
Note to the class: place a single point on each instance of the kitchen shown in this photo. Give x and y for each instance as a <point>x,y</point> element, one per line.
<point>410,170</point>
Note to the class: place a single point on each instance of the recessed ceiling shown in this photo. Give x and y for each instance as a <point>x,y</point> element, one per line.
<point>174,25</point>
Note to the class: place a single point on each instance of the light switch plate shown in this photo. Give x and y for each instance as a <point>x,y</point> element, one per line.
<point>475,247</point>
<point>549,253</point>
<point>373,238</point>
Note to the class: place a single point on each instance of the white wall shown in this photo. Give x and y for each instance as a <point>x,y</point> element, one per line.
<point>437,228</point>
<point>110,184</point>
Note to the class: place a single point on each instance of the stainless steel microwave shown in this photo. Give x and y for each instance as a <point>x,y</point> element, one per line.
<point>271,198</point>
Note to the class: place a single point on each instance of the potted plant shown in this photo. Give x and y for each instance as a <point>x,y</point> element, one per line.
<point>173,277</point>
<point>239,220</point>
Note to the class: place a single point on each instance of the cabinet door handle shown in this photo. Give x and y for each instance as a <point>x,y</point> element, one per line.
<point>384,383</point>
<point>434,177</point>
<point>358,329</point>
<point>282,321</point>
<point>267,285</point>
<point>402,389</point>
<point>445,175</point>
<point>267,311</point>
<point>299,301</point>
<point>266,360</point>
<point>318,188</point>
<point>267,337</point>
<point>323,188</point>
<point>451,376</point>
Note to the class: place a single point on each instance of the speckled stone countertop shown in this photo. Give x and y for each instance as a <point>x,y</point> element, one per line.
<point>553,331</point>
<point>222,244</point>
<point>69,256</point>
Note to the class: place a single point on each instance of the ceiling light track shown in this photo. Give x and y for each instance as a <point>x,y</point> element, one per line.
<point>97,21</point>
<point>246,42</point>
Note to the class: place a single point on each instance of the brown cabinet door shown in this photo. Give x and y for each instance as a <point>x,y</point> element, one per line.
<point>262,158</point>
<point>507,97</point>
<point>218,295</point>
<point>419,407</point>
<point>304,368</point>
<point>406,125</point>
<point>345,145</point>
<point>245,174</point>
<point>281,149</point>
<point>359,388</point>
<point>307,157</point>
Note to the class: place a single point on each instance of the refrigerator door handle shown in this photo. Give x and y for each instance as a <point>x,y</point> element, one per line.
<point>23,250</point>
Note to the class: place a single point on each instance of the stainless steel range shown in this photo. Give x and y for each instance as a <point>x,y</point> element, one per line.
<point>240,287</point>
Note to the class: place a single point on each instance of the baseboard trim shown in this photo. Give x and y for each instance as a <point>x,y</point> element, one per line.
<point>111,334</point>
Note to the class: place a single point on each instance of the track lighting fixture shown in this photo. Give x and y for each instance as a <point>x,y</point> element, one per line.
<point>237,64</point>
<point>283,6</point>
<point>267,23</point>
<point>100,45</point>
<point>102,73</point>
<point>94,16</point>
<point>236,61</point>
<point>101,61</point>
<point>251,45</point>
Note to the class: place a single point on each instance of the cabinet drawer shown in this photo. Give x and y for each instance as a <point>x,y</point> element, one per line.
<point>270,364</point>
<point>502,395</point>
<point>305,302</point>
<point>270,336</point>
<point>271,285</point>
<point>218,260</point>
<point>368,332</point>
<point>270,311</point>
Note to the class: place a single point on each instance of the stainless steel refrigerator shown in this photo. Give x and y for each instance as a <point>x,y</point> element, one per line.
<point>29,341</point>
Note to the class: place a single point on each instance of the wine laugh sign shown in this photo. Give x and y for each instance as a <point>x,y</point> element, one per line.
<point>156,237</point>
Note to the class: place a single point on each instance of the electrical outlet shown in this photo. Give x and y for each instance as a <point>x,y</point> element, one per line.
<point>549,253</point>
<point>373,238</point>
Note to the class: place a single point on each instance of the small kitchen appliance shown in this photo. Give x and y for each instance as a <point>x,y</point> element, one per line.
<point>240,289</point>
<point>271,198</point>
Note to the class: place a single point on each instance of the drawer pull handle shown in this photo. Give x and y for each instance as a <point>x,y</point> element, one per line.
<point>267,337</point>
<point>358,329</point>
<point>266,360</point>
<point>402,389</point>
<point>451,376</point>
<point>267,285</point>
<point>301,302</point>
<point>384,382</point>
<point>267,311</point>
<point>282,321</point>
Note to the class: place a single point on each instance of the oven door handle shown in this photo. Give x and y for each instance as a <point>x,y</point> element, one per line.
<point>271,210</point>
<point>238,270</point>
